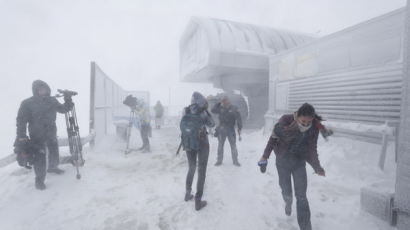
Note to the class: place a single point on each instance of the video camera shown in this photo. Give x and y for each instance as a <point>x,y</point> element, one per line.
<point>66,93</point>
<point>131,101</point>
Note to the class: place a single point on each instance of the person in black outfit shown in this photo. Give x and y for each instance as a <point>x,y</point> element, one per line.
<point>228,117</point>
<point>198,108</point>
<point>39,112</point>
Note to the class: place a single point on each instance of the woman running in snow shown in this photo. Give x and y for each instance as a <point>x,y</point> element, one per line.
<point>294,141</point>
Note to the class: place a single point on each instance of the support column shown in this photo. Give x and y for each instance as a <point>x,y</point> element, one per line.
<point>402,196</point>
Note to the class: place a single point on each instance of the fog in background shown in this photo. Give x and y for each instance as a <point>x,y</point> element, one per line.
<point>135,42</point>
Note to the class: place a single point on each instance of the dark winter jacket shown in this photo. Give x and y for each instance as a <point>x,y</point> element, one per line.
<point>206,118</point>
<point>288,139</point>
<point>39,112</point>
<point>199,106</point>
<point>228,116</point>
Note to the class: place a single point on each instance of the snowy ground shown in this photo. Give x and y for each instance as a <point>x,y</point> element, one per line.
<point>145,191</point>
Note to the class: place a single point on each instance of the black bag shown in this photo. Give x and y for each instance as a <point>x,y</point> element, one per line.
<point>25,153</point>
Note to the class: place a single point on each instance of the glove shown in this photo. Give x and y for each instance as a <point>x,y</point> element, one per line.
<point>262,165</point>
<point>326,133</point>
<point>20,144</point>
<point>320,171</point>
<point>68,101</point>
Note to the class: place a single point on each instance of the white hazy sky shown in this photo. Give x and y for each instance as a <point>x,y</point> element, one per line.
<point>134,41</point>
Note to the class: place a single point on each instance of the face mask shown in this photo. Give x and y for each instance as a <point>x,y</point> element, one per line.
<point>303,128</point>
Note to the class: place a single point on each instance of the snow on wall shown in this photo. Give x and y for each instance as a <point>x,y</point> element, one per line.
<point>205,40</point>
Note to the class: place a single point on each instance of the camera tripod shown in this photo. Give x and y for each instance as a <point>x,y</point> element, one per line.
<point>133,115</point>
<point>74,140</point>
<point>73,132</point>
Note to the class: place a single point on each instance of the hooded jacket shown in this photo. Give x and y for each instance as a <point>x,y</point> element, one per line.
<point>199,106</point>
<point>288,139</point>
<point>39,112</point>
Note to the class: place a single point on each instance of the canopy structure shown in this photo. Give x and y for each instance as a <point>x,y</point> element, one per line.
<point>234,56</point>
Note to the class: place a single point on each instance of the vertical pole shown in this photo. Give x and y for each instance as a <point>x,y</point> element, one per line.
<point>92,102</point>
<point>169,100</point>
<point>402,197</point>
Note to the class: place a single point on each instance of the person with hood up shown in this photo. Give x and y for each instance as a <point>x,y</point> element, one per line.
<point>196,144</point>
<point>39,113</point>
<point>294,141</point>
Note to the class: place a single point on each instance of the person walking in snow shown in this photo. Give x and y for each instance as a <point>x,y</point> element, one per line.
<point>294,141</point>
<point>39,112</point>
<point>228,115</point>
<point>194,137</point>
<point>159,114</point>
<point>144,125</point>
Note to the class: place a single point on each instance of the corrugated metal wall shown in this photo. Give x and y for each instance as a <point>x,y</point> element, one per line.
<point>354,75</point>
<point>371,95</point>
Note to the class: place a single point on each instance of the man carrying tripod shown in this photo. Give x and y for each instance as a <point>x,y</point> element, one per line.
<point>39,112</point>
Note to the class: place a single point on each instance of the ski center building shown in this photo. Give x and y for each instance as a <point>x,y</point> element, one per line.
<point>353,77</point>
<point>234,56</point>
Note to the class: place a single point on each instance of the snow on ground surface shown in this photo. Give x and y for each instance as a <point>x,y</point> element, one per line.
<point>145,190</point>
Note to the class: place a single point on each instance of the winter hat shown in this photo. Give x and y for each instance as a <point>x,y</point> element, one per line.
<point>199,99</point>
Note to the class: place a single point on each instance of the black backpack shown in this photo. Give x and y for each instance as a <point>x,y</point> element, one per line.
<point>191,127</point>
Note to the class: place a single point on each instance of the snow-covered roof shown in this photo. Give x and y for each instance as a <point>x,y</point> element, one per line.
<point>235,36</point>
<point>208,44</point>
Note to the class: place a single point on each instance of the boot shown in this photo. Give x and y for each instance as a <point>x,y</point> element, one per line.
<point>55,170</point>
<point>288,207</point>
<point>199,204</point>
<point>146,149</point>
<point>188,196</point>
<point>236,163</point>
<point>218,163</point>
<point>40,184</point>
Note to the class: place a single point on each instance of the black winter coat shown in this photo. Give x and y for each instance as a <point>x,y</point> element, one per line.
<point>39,112</point>
<point>228,117</point>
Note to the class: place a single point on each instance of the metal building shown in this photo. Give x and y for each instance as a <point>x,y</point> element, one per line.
<point>234,56</point>
<point>354,75</point>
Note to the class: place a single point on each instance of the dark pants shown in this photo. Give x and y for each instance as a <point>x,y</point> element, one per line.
<point>289,166</point>
<point>145,132</point>
<point>201,157</point>
<point>39,163</point>
<point>230,134</point>
<point>53,153</point>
